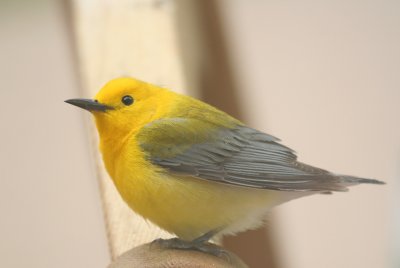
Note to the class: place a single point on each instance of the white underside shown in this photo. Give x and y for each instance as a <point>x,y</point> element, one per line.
<point>256,217</point>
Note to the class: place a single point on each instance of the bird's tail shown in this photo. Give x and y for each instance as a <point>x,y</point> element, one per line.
<point>350,180</point>
<point>344,181</point>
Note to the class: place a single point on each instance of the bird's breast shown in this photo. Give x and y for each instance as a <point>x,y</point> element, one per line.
<point>183,205</point>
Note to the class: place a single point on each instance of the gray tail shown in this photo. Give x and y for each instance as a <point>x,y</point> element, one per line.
<point>350,180</point>
<point>346,181</point>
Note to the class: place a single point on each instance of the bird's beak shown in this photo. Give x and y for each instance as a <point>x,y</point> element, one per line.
<point>89,105</point>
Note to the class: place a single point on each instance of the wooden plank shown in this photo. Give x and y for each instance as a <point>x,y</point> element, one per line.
<point>125,38</point>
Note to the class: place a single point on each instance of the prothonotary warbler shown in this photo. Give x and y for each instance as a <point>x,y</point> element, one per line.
<point>192,169</point>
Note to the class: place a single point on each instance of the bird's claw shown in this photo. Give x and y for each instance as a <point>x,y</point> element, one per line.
<point>205,247</point>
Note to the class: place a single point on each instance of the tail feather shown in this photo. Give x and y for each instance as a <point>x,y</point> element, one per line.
<point>344,181</point>
<point>327,182</point>
<point>350,180</point>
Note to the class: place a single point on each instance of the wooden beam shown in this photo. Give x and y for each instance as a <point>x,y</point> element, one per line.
<point>125,38</point>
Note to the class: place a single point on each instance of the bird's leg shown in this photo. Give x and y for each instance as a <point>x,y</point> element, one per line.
<point>205,237</point>
<point>200,243</point>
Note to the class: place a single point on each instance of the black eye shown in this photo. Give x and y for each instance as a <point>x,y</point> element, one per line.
<point>127,100</point>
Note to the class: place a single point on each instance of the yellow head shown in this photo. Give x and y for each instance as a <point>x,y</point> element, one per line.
<point>123,105</point>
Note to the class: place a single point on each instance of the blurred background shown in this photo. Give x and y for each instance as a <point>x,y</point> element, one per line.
<point>321,75</point>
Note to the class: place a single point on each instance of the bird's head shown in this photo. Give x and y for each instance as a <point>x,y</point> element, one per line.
<point>123,105</point>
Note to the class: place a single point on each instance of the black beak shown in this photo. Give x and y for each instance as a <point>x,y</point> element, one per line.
<point>89,105</point>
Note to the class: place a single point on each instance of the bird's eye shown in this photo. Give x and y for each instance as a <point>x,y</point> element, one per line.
<point>127,100</point>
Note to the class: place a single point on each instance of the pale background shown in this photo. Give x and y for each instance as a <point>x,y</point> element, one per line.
<point>49,197</point>
<point>323,76</point>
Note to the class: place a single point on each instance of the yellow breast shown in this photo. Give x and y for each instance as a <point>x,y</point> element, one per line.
<point>185,206</point>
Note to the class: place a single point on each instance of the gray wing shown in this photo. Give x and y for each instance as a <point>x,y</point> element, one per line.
<point>239,156</point>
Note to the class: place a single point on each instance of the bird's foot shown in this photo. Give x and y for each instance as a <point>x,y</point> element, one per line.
<point>200,244</point>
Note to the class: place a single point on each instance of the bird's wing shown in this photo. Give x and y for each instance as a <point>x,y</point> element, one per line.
<point>239,156</point>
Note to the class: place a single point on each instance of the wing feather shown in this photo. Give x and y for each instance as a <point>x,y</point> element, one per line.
<point>239,156</point>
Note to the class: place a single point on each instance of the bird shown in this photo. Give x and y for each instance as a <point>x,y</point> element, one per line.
<point>194,170</point>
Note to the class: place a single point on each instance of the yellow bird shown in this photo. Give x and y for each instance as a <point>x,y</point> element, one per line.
<point>192,169</point>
